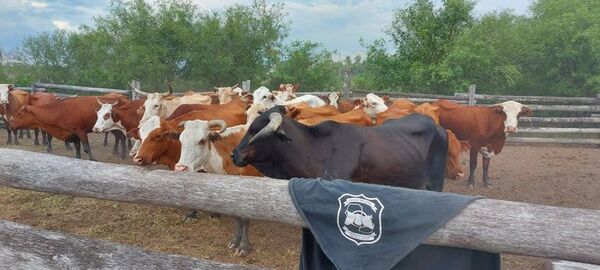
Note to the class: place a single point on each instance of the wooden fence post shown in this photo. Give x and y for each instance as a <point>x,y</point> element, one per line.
<point>472,100</point>
<point>136,84</point>
<point>246,86</point>
<point>346,87</point>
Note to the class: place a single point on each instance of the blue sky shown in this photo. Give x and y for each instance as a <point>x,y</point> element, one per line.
<point>337,24</point>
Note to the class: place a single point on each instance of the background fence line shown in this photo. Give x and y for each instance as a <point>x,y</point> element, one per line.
<point>563,120</point>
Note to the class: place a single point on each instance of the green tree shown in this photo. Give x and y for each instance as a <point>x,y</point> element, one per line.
<point>49,54</point>
<point>310,64</point>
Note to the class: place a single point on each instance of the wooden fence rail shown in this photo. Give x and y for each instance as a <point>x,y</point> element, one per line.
<point>24,247</point>
<point>489,225</point>
<point>80,88</point>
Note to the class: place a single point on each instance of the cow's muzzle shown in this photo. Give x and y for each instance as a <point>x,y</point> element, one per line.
<point>238,159</point>
<point>511,130</point>
<point>181,168</point>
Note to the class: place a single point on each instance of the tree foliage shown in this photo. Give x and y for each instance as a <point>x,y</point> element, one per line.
<point>310,64</point>
<point>555,51</point>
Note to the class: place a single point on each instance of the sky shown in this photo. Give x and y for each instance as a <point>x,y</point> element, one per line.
<point>337,24</point>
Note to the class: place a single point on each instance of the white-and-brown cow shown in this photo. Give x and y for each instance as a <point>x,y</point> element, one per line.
<point>203,148</point>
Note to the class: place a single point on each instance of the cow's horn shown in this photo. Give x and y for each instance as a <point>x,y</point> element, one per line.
<point>99,102</point>
<point>220,123</point>
<point>138,91</point>
<point>115,103</point>
<point>275,120</point>
<point>169,92</point>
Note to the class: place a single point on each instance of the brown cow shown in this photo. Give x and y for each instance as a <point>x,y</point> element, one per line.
<point>356,117</point>
<point>68,119</point>
<point>482,127</point>
<point>38,99</point>
<point>304,111</point>
<point>15,100</point>
<point>156,146</point>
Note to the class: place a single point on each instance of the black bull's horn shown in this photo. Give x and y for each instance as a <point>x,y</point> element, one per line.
<point>275,120</point>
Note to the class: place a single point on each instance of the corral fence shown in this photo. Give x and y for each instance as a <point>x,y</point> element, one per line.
<point>557,120</point>
<point>557,233</point>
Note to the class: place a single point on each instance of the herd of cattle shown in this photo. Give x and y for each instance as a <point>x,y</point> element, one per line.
<point>277,134</point>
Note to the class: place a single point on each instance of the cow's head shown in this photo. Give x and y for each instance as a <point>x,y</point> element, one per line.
<point>333,99</point>
<point>429,110</point>
<point>511,111</point>
<point>265,132</point>
<point>263,96</point>
<point>4,89</point>
<point>253,111</point>
<point>197,144</point>
<point>154,102</point>
<point>225,93</point>
<point>454,169</point>
<point>144,131</point>
<point>373,105</point>
<point>105,119</point>
<point>23,118</point>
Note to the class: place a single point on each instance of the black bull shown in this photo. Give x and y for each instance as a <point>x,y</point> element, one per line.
<point>409,152</point>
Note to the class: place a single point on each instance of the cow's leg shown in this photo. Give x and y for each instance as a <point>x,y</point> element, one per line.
<point>191,214</point>
<point>36,136</point>
<point>244,247</point>
<point>129,145</point>
<point>135,148</point>
<point>44,137</point>
<point>21,133</point>
<point>9,131</point>
<point>119,141</point>
<point>105,143</point>
<point>28,133</point>
<point>15,135</point>
<point>68,146</point>
<point>77,144</point>
<point>472,166</point>
<point>486,177</point>
<point>83,137</point>
<point>115,151</point>
<point>237,235</point>
<point>49,143</point>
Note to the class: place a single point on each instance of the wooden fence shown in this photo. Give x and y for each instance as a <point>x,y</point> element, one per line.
<point>580,127</point>
<point>490,225</point>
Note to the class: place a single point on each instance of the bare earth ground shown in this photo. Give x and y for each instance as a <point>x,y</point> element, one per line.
<point>559,176</point>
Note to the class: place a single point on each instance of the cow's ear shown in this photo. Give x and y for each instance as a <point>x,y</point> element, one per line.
<point>498,109</point>
<point>282,135</point>
<point>171,135</point>
<point>11,87</point>
<point>247,98</point>
<point>526,111</point>
<point>296,87</point>
<point>214,136</point>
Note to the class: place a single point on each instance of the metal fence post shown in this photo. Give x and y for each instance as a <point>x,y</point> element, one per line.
<point>472,100</point>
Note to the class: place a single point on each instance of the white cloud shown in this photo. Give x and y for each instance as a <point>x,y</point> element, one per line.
<point>62,25</point>
<point>40,5</point>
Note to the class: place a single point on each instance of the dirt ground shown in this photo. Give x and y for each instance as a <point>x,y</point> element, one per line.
<point>549,175</point>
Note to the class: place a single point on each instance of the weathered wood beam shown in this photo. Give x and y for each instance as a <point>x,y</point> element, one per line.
<point>554,140</point>
<point>534,99</point>
<point>24,247</point>
<point>565,265</point>
<point>81,88</point>
<point>489,225</point>
<point>560,130</point>
<point>566,108</point>
<point>559,120</point>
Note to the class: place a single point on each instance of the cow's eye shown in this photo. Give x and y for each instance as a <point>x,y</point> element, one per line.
<point>155,106</point>
<point>202,141</point>
<point>106,116</point>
